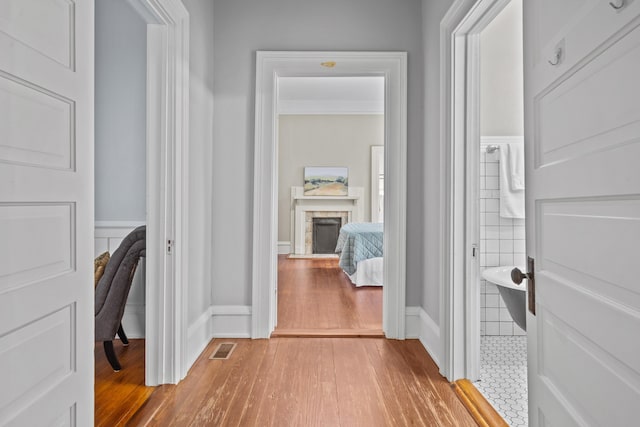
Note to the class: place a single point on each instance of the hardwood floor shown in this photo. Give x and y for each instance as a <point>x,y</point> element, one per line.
<point>315,296</point>
<point>323,380</point>
<point>118,395</point>
<point>307,382</point>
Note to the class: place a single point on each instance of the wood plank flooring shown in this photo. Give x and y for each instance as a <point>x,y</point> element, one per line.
<point>315,294</point>
<point>118,395</point>
<point>307,382</point>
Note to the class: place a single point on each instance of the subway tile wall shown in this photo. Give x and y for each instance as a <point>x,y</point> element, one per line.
<point>502,242</point>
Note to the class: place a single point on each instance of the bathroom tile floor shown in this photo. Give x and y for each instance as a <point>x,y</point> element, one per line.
<point>503,376</point>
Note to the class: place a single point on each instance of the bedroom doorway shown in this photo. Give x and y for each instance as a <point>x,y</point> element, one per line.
<point>270,68</point>
<point>330,147</point>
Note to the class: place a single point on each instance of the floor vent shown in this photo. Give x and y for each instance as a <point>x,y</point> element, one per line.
<point>224,350</point>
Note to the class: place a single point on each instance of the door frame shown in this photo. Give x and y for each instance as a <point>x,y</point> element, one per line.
<point>269,66</point>
<point>460,150</point>
<point>167,189</point>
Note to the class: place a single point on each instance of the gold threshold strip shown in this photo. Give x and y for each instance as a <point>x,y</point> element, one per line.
<point>481,410</point>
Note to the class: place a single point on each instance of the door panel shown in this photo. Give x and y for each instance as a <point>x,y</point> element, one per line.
<point>26,262</point>
<point>578,27</point>
<point>582,127</point>
<point>46,212</point>
<point>571,124</point>
<point>44,26</point>
<point>48,145</point>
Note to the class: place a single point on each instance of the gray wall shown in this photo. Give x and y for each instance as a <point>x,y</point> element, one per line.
<point>243,26</point>
<point>200,156</point>
<point>120,114</point>
<point>324,140</point>
<point>501,74</point>
<point>433,12</point>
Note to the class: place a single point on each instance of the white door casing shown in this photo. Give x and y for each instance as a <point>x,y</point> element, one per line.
<point>460,144</point>
<point>377,171</point>
<point>167,189</point>
<point>582,127</point>
<point>270,66</point>
<point>46,212</point>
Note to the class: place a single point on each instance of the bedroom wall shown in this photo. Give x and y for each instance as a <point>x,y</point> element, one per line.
<point>240,28</point>
<point>120,112</point>
<point>501,74</point>
<point>324,140</point>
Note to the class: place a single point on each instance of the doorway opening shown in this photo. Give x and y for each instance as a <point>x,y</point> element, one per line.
<point>152,147</point>
<point>270,67</point>
<point>330,271</point>
<point>486,157</point>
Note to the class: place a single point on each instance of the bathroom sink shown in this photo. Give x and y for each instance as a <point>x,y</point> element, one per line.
<point>502,276</point>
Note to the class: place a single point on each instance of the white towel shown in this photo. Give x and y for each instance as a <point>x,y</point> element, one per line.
<point>511,193</point>
<point>516,166</point>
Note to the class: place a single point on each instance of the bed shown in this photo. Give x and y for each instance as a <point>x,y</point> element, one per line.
<point>360,249</point>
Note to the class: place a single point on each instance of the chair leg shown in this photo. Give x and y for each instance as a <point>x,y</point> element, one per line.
<point>123,337</point>
<point>111,355</point>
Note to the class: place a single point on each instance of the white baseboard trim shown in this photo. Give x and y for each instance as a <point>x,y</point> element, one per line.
<point>231,321</point>
<point>198,336</point>
<point>421,326</point>
<point>133,320</point>
<point>218,321</point>
<point>284,248</point>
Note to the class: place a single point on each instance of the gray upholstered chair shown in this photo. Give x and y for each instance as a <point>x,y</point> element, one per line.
<point>113,289</point>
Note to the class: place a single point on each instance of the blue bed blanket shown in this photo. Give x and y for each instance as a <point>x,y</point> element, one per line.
<point>359,241</point>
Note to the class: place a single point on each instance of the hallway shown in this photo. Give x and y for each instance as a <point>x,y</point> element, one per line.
<point>304,382</point>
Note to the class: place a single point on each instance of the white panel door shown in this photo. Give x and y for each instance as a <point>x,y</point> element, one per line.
<point>46,212</point>
<point>582,126</point>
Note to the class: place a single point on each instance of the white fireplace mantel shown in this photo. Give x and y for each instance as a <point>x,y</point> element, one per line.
<point>301,204</point>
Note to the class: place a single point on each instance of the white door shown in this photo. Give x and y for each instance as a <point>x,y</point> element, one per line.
<point>582,125</point>
<point>46,212</point>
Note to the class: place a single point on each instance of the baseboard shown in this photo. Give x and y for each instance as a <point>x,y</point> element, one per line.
<point>421,326</point>
<point>231,321</point>
<point>284,248</point>
<point>218,321</point>
<point>198,336</point>
<point>133,321</point>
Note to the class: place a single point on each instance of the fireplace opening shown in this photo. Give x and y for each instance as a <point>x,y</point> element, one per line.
<point>325,235</point>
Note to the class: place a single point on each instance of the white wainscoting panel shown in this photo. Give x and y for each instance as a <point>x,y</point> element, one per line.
<point>108,236</point>
<point>421,326</point>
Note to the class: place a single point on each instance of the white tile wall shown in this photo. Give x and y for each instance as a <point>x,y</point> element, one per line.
<point>501,243</point>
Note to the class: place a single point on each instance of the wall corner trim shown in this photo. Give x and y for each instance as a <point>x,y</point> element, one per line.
<point>421,326</point>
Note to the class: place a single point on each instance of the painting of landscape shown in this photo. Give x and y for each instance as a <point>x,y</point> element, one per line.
<point>326,181</point>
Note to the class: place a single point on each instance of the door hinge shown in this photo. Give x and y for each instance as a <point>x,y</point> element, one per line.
<point>170,247</point>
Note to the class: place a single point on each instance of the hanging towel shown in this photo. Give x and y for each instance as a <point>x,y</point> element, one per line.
<point>516,166</point>
<point>511,193</point>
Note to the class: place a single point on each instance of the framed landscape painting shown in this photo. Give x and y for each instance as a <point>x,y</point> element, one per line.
<point>326,181</point>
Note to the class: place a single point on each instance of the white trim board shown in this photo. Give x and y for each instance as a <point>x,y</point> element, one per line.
<point>167,188</point>
<point>269,67</point>
<point>421,326</point>
<point>218,321</point>
<point>460,143</point>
